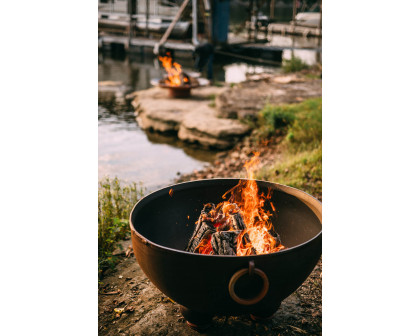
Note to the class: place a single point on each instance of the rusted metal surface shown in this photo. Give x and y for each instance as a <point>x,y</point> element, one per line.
<point>161,228</point>
<point>182,91</point>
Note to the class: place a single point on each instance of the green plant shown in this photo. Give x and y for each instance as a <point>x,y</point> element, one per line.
<point>275,118</point>
<point>299,122</point>
<point>305,132</point>
<point>302,170</point>
<point>294,64</point>
<point>212,103</point>
<point>300,164</point>
<point>114,205</point>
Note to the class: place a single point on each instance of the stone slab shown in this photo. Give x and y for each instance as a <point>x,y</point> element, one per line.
<point>246,99</point>
<point>194,119</point>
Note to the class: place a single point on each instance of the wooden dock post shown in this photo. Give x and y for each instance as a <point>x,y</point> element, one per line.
<point>272,6</point>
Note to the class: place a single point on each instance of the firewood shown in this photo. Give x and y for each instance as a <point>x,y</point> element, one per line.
<point>203,228</point>
<point>237,222</point>
<point>246,241</point>
<point>224,242</point>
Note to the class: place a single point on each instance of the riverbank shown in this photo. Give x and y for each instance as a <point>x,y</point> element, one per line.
<point>217,118</point>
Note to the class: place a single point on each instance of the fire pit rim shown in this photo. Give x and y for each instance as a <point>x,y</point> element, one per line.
<point>162,84</point>
<point>317,204</point>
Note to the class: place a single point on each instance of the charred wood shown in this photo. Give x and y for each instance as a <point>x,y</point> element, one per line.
<point>224,242</point>
<point>237,222</point>
<point>203,229</point>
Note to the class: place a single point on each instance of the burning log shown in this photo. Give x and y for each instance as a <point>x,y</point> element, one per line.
<point>237,222</point>
<point>217,231</point>
<point>203,230</point>
<point>224,242</point>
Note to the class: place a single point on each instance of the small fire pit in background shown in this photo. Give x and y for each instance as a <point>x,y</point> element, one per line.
<point>176,80</point>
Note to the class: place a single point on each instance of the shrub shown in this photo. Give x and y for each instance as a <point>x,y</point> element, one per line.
<point>114,206</point>
<point>301,123</point>
<point>302,170</point>
<point>294,64</point>
<point>306,130</point>
<point>273,119</point>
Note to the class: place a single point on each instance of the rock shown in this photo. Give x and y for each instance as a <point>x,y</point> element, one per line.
<point>193,119</point>
<point>245,100</point>
<point>210,131</point>
<point>161,120</point>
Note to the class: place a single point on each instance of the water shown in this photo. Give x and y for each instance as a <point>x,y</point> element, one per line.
<point>133,155</point>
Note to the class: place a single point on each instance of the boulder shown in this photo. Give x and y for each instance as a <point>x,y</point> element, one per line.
<point>205,128</point>
<point>194,119</point>
<point>244,100</point>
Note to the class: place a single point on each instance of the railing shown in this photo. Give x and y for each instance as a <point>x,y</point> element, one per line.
<point>156,7</point>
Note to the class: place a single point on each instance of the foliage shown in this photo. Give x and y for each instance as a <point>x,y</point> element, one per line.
<point>114,206</point>
<point>302,170</point>
<point>273,119</point>
<point>294,64</point>
<point>300,165</point>
<point>301,123</point>
<point>306,130</point>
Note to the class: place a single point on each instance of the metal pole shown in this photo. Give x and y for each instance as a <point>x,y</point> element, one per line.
<point>207,15</point>
<point>131,8</point>
<point>147,18</point>
<point>170,28</point>
<point>294,12</point>
<point>194,23</point>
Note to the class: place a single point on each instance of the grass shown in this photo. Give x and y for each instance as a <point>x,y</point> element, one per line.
<point>302,170</point>
<point>301,123</point>
<point>300,165</point>
<point>114,206</point>
<point>294,64</point>
<point>212,97</point>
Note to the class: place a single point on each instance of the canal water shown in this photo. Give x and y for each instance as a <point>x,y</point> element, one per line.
<point>133,155</point>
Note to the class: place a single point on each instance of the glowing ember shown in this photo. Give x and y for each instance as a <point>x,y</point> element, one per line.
<point>244,214</point>
<point>174,71</point>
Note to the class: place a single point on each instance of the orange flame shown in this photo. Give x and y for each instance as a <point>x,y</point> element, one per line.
<point>259,236</point>
<point>256,238</point>
<point>174,71</point>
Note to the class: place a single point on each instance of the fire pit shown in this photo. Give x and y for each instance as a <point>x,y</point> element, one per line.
<point>176,80</point>
<point>181,91</point>
<point>207,285</point>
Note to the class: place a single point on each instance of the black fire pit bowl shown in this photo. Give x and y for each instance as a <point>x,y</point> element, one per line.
<point>207,285</point>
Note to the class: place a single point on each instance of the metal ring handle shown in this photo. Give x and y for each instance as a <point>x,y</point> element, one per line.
<point>241,273</point>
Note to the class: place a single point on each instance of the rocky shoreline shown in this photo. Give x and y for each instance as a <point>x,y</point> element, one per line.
<point>217,117</point>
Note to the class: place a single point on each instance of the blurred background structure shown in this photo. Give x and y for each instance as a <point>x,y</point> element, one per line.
<point>241,27</point>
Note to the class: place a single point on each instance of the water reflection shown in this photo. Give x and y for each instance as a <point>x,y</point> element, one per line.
<point>129,153</point>
<point>192,150</point>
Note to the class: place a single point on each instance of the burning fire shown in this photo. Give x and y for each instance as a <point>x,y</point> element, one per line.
<point>174,70</point>
<point>259,236</point>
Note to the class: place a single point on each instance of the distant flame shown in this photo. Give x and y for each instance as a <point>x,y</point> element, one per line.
<point>174,71</point>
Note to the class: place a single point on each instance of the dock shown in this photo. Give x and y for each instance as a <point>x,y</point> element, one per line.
<point>143,42</point>
<point>287,29</point>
